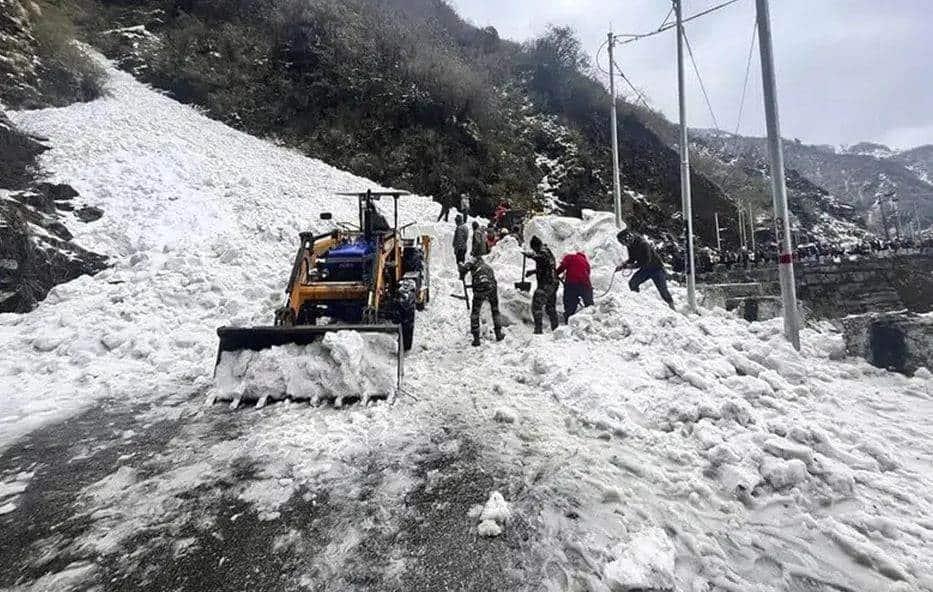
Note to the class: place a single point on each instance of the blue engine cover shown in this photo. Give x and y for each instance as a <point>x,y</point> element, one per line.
<point>359,249</point>
<point>349,262</point>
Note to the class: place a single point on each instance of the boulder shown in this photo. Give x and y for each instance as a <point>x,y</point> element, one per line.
<point>901,341</point>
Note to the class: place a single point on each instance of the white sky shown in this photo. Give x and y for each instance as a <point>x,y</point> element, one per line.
<point>847,70</point>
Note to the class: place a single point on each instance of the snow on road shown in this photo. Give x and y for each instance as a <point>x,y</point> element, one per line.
<point>637,448</point>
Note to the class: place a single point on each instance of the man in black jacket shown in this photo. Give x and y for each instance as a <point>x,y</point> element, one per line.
<point>461,239</point>
<point>645,258</point>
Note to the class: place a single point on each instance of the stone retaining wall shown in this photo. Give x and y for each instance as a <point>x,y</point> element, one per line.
<point>834,290</point>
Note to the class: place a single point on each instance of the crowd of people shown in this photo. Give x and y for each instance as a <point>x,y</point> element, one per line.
<point>472,242</point>
<point>573,272</point>
<point>708,259</point>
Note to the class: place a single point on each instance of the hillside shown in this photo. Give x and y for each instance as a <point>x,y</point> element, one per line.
<point>407,93</point>
<point>844,183</point>
<point>39,67</point>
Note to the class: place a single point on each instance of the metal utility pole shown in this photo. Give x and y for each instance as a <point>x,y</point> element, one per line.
<point>685,162</point>
<point>884,216</point>
<point>916,229</point>
<point>778,186</point>
<point>616,184</point>
<point>897,217</point>
<point>718,238</point>
<point>742,226</point>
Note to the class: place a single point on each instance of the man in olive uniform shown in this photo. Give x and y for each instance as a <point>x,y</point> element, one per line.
<point>485,289</point>
<point>545,297</point>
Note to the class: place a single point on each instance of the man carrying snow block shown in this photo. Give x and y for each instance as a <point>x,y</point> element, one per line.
<point>545,297</point>
<point>577,284</point>
<point>643,256</point>
<point>461,238</point>
<point>485,289</point>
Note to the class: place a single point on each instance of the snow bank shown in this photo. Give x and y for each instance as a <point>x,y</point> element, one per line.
<point>343,365</point>
<point>201,225</point>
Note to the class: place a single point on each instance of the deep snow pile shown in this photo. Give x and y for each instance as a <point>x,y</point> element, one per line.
<point>344,364</point>
<point>660,450</point>
<point>201,223</point>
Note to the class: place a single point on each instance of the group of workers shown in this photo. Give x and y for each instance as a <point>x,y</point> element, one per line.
<point>573,272</point>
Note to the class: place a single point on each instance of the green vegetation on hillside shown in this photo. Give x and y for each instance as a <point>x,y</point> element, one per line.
<point>404,92</point>
<point>41,64</point>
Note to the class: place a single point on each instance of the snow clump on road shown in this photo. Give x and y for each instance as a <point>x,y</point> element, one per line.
<point>493,516</point>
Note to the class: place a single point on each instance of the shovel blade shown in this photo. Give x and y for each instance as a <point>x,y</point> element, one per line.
<point>523,286</point>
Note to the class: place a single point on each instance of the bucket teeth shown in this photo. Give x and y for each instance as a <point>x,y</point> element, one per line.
<point>236,339</point>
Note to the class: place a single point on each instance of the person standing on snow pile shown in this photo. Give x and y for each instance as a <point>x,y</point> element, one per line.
<point>544,298</point>
<point>445,209</point>
<point>478,245</point>
<point>461,239</point>
<point>577,284</point>
<point>465,205</point>
<point>645,258</point>
<point>485,289</point>
<point>499,213</point>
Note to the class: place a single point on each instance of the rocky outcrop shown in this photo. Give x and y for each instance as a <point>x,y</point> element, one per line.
<point>902,342</point>
<point>37,253</point>
<point>36,248</point>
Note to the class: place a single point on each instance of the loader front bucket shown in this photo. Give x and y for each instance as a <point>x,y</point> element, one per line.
<point>235,339</point>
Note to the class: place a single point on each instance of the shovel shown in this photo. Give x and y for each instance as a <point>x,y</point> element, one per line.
<point>523,285</point>
<point>466,295</point>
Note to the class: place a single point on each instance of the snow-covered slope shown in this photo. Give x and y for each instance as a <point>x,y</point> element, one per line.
<point>201,222</point>
<point>638,448</point>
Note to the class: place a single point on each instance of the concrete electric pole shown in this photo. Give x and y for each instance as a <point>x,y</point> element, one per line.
<point>616,184</point>
<point>718,237</point>
<point>685,163</point>
<point>778,186</point>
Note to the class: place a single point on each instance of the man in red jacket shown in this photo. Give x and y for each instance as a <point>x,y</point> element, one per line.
<point>577,285</point>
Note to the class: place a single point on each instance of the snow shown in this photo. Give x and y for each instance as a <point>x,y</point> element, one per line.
<point>644,563</point>
<point>343,363</point>
<point>200,227</point>
<point>493,516</point>
<point>693,452</point>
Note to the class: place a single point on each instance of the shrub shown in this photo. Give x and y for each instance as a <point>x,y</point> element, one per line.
<point>66,73</point>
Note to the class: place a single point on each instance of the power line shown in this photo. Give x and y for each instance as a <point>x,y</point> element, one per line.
<point>667,18</point>
<point>636,37</point>
<point>622,75</point>
<point>696,69</point>
<point>748,69</point>
<point>635,90</point>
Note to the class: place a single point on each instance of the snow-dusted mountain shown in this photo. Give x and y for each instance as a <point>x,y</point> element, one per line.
<point>855,176</point>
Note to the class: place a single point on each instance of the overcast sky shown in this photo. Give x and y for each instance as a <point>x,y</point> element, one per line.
<point>847,70</point>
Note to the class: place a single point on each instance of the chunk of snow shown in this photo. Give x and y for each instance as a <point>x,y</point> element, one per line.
<point>488,528</point>
<point>496,509</point>
<point>644,563</point>
<point>783,473</point>
<point>505,415</point>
